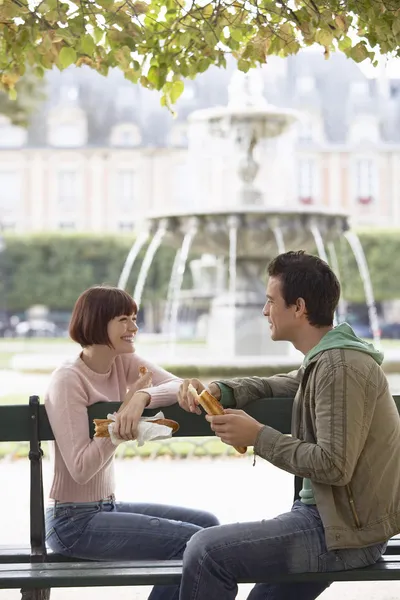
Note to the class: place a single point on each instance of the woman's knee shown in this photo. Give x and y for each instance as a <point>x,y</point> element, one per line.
<point>209,520</point>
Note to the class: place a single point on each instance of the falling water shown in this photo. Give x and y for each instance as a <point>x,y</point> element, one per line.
<point>132,256</point>
<point>233,229</point>
<point>280,242</point>
<point>170,293</point>
<point>335,266</point>
<point>319,242</point>
<point>359,255</point>
<point>148,259</point>
<point>178,280</point>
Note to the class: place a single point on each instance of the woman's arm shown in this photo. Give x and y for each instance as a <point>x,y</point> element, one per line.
<point>165,386</point>
<point>66,406</point>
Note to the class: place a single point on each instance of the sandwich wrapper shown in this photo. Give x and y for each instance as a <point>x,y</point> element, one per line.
<point>146,431</point>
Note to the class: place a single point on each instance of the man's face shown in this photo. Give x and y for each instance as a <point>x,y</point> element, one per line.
<point>280,317</point>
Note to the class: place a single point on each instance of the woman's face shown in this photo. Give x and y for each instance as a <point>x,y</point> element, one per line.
<point>122,332</point>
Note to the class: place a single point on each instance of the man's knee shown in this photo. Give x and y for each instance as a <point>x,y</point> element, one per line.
<point>202,544</point>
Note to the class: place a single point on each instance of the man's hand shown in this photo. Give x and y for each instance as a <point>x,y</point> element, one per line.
<point>235,427</point>
<point>187,401</point>
<point>127,418</point>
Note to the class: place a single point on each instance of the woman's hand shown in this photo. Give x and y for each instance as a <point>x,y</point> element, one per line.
<point>144,381</point>
<point>187,401</point>
<point>127,418</point>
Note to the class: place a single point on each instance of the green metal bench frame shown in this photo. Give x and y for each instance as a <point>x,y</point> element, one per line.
<point>36,570</point>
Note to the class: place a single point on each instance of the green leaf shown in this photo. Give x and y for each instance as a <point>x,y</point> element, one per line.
<point>236,34</point>
<point>152,76</point>
<point>98,34</point>
<point>208,10</point>
<point>87,45</point>
<point>243,65</point>
<point>359,52</point>
<point>396,26</point>
<point>12,94</point>
<point>176,90</point>
<point>345,43</point>
<point>66,57</point>
<point>324,37</point>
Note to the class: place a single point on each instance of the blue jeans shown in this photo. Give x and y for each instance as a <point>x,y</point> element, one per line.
<point>294,542</point>
<point>110,530</point>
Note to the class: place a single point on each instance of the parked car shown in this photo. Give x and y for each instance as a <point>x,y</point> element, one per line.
<point>391,331</point>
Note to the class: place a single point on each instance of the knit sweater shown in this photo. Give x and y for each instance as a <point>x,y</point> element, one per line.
<point>84,467</point>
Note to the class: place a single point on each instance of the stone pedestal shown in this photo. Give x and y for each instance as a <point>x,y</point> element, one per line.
<point>240,329</point>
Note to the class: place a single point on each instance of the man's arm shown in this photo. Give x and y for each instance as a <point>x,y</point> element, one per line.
<point>343,412</point>
<point>236,393</point>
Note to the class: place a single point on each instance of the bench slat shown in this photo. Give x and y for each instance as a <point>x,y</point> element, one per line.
<point>127,574</point>
<point>22,554</point>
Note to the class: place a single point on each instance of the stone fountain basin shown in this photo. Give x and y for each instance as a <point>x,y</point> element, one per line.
<point>256,227</point>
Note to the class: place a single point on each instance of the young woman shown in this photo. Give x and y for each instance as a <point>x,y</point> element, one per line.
<point>84,520</point>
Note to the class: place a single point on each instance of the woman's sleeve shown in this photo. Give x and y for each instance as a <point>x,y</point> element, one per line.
<point>66,406</point>
<point>164,390</point>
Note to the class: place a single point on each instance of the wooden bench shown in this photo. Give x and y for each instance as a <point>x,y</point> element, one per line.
<point>36,570</point>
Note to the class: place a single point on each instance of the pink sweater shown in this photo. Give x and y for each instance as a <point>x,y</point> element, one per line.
<point>84,467</point>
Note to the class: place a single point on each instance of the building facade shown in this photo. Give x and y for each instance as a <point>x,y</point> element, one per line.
<point>101,154</point>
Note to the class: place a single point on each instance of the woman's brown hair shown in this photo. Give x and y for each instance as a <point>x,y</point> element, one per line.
<point>94,309</point>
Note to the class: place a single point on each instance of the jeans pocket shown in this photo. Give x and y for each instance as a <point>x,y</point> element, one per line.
<point>330,561</point>
<point>357,558</point>
<point>55,544</point>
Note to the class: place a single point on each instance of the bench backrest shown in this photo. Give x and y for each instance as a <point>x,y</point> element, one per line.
<point>16,421</point>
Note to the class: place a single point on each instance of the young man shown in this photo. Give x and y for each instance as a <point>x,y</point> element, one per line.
<point>345,445</point>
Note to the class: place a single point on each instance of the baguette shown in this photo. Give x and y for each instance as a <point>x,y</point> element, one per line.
<point>212,407</point>
<point>101,426</point>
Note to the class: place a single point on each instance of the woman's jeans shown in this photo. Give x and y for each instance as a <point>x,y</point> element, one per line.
<point>109,530</point>
<point>215,559</point>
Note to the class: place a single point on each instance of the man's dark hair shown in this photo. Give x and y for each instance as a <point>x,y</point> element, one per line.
<point>306,276</point>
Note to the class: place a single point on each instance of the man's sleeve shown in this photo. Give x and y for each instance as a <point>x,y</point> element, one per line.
<point>343,414</point>
<point>238,392</point>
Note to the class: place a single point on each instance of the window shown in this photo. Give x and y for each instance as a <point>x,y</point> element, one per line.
<point>178,136</point>
<point>182,191</point>
<point>8,226</point>
<point>67,190</point>
<point>306,130</point>
<point>125,135</point>
<point>125,190</point>
<point>126,225</point>
<point>10,193</point>
<point>306,181</point>
<point>68,135</point>
<point>10,135</point>
<point>366,180</point>
<point>67,225</point>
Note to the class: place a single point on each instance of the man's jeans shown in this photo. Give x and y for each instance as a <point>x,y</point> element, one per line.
<point>110,530</point>
<point>294,542</point>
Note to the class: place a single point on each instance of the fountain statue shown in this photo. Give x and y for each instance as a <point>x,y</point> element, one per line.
<point>245,211</point>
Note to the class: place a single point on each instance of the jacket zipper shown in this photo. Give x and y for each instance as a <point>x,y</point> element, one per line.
<point>353,507</point>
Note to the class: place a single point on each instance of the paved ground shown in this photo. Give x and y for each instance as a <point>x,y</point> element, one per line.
<point>232,488</point>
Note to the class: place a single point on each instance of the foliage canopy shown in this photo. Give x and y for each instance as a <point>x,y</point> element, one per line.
<point>158,43</point>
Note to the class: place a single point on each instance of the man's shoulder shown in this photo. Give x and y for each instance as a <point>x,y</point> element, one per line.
<point>338,359</point>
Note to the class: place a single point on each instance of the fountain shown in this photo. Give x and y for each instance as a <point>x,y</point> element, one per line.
<point>245,218</point>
